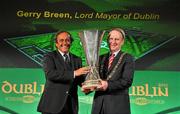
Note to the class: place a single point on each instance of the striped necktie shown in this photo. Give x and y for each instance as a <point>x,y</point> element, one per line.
<point>111,58</point>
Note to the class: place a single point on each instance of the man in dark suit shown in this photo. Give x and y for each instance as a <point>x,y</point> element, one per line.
<point>63,72</point>
<point>116,72</point>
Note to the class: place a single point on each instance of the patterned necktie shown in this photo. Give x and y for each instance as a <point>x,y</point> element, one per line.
<point>66,59</point>
<point>111,58</point>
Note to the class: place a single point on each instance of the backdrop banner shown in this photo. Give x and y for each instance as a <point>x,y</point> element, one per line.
<point>152,28</point>
<point>152,91</point>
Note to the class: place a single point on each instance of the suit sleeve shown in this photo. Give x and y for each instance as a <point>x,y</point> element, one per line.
<point>80,79</point>
<point>54,74</point>
<point>125,81</point>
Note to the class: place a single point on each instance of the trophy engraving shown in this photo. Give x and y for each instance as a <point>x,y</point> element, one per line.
<point>91,41</point>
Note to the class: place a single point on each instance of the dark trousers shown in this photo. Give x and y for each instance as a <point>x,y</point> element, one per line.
<point>67,109</point>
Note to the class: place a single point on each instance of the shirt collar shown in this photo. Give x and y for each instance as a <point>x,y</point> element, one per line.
<point>115,53</point>
<point>63,53</point>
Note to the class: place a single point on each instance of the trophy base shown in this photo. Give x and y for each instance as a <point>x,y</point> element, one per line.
<point>91,84</point>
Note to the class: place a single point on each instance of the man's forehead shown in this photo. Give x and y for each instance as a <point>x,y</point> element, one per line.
<point>63,35</point>
<point>115,33</point>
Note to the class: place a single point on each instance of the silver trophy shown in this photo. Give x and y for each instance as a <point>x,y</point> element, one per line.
<point>91,41</point>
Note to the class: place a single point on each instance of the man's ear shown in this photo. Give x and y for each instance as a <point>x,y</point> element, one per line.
<point>122,43</point>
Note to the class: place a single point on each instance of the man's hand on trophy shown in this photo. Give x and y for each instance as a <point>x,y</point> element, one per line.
<point>103,86</point>
<point>81,71</point>
<point>85,90</point>
<point>88,89</point>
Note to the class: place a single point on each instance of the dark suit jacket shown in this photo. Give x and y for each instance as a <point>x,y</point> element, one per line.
<point>115,100</point>
<point>60,83</point>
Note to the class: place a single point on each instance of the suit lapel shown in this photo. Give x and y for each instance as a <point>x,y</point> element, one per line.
<point>60,58</point>
<point>104,66</point>
<point>72,60</point>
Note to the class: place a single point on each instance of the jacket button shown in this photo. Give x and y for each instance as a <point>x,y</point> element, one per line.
<point>67,92</point>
